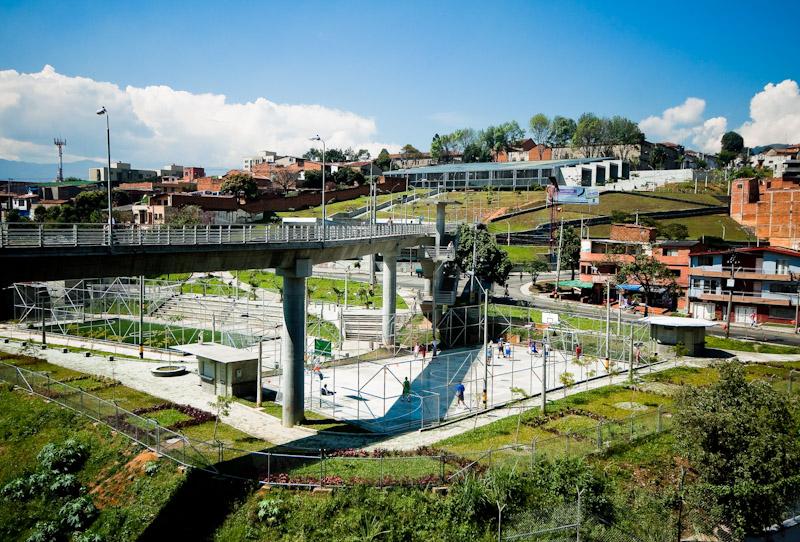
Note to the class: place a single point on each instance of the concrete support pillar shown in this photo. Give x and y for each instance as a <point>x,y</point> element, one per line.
<point>389,296</point>
<point>293,339</point>
<point>440,222</point>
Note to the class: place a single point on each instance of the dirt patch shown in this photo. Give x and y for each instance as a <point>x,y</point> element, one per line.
<point>630,405</point>
<point>110,491</point>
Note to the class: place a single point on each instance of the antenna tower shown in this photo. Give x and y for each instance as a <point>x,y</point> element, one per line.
<point>60,143</point>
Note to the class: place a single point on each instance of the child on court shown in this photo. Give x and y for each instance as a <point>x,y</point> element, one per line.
<point>507,350</point>
<point>406,390</point>
<point>460,395</point>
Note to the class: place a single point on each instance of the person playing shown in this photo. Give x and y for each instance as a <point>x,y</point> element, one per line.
<point>422,351</point>
<point>416,350</point>
<point>460,395</point>
<point>489,350</point>
<point>406,390</point>
<point>507,352</point>
<point>500,347</point>
<point>578,352</point>
<point>326,391</point>
<point>533,348</point>
<point>318,369</point>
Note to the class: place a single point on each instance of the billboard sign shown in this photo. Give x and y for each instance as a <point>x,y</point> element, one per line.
<point>577,195</point>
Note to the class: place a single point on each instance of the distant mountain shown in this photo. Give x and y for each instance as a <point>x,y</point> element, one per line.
<point>29,171</point>
<point>765,148</point>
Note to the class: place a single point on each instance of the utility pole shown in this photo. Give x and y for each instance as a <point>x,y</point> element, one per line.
<point>794,278</point>
<point>731,284</point>
<point>260,364</point>
<point>608,317</point>
<point>60,143</point>
<point>558,258</point>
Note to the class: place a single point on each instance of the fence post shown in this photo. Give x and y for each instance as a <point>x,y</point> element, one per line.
<point>158,437</point>
<point>380,461</point>
<point>599,434</point>
<point>533,451</point>
<point>269,467</point>
<point>441,458</point>
<point>321,466</point>
<point>566,447</point>
<point>630,437</point>
<point>658,423</point>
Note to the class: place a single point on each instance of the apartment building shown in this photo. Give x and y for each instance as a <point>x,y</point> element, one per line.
<point>761,282</point>
<point>121,172</point>
<point>601,259</point>
<point>771,207</point>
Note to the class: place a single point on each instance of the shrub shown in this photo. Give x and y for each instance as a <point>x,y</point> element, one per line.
<point>45,531</point>
<point>151,468</point>
<point>66,457</point>
<point>270,510</point>
<point>78,513</point>
<point>64,484</point>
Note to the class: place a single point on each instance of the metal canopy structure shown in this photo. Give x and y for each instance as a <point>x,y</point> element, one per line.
<point>476,175</point>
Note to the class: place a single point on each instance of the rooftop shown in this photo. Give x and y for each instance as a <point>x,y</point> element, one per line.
<point>217,352</point>
<point>677,321</point>
<point>494,166</point>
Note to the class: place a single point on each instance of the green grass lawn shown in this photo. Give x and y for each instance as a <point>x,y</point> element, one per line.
<point>749,346</point>
<point>167,417</point>
<point>322,289</point>
<point>611,201</point>
<point>470,205</point>
<point>524,253</point>
<point>699,226</point>
<point>343,206</point>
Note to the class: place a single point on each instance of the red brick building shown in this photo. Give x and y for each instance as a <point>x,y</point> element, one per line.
<point>771,207</point>
<point>601,259</point>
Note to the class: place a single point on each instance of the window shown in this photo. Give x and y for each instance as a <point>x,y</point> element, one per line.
<point>670,252</point>
<point>783,287</point>
<point>207,369</point>
<point>705,260</point>
<point>782,312</point>
<point>782,267</point>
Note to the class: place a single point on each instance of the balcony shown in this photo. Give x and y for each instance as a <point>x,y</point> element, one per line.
<point>760,298</point>
<point>724,271</point>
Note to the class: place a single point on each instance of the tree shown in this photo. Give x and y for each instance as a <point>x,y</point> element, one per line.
<point>409,151</point>
<point>383,160</point>
<point>501,137</point>
<point>540,128</point>
<point>313,178</point>
<point>675,231</point>
<point>567,380</point>
<point>741,439</point>
<point>188,215</point>
<point>14,216</point>
<point>732,142</point>
<point>658,157</point>
<point>240,184</point>
<point>492,264</point>
<point>222,407</point>
<point>623,131</point>
<point>588,134</point>
<point>440,148</point>
<point>570,249</point>
<point>562,130</point>
<point>535,268</point>
<point>285,178</point>
<point>649,273</point>
<point>476,152</point>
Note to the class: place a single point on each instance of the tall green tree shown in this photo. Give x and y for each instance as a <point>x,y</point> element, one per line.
<point>741,437</point>
<point>588,134</point>
<point>492,263</point>
<point>408,150</point>
<point>658,157</point>
<point>188,215</point>
<point>541,129</point>
<point>240,183</point>
<point>650,274</point>
<point>732,142</point>
<point>570,249</point>
<point>441,147</point>
<point>502,137</point>
<point>383,160</point>
<point>562,129</point>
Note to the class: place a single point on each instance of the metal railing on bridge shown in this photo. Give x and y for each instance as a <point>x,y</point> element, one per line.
<point>93,235</point>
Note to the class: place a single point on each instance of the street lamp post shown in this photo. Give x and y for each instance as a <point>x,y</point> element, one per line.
<point>732,283</point>
<point>324,217</point>
<point>104,112</point>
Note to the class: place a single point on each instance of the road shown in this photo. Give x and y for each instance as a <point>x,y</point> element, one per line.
<point>404,280</point>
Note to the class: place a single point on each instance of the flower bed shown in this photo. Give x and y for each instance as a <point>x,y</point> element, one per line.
<point>196,415</point>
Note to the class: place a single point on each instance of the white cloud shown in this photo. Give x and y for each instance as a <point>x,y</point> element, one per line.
<point>154,125</point>
<point>679,123</point>
<point>774,115</point>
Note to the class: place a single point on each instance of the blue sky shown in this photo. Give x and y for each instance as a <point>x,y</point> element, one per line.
<point>416,68</point>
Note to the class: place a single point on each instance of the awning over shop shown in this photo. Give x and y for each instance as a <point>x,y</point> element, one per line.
<point>574,284</point>
<point>630,287</point>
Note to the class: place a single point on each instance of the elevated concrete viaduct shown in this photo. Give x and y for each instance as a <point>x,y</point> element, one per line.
<point>58,252</point>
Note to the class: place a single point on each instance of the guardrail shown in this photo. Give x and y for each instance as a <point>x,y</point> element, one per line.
<point>439,253</point>
<point>14,235</point>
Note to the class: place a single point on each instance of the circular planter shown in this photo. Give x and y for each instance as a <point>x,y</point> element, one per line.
<point>169,370</point>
